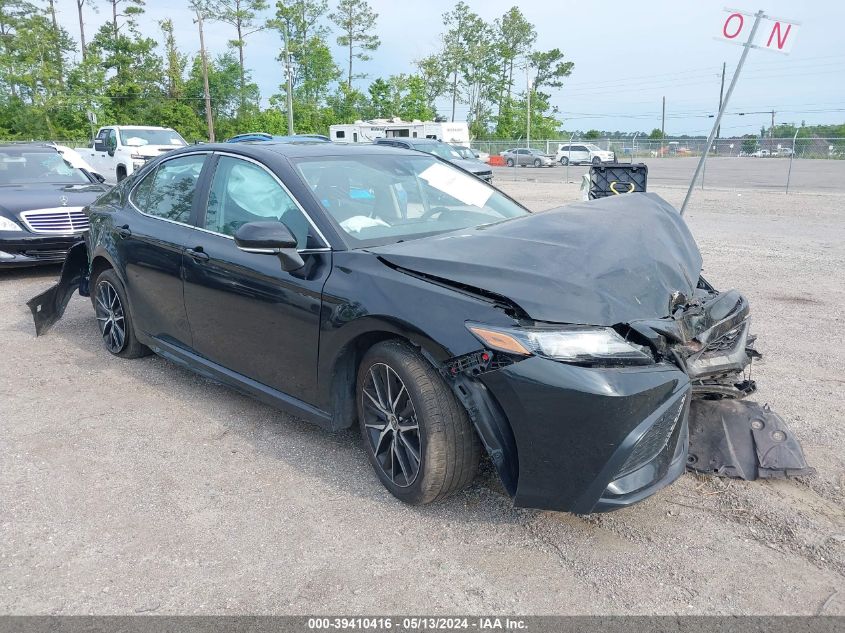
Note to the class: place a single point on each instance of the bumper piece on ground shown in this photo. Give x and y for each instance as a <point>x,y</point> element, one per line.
<point>49,306</point>
<point>735,438</point>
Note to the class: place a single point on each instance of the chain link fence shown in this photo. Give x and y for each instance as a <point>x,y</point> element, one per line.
<point>629,148</point>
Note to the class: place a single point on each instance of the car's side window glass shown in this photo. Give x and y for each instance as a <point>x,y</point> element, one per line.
<point>141,193</point>
<point>243,192</point>
<point>170,194</point>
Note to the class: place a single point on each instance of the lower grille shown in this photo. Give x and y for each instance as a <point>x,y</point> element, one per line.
<point>655,439</point>
<point>61,220</point>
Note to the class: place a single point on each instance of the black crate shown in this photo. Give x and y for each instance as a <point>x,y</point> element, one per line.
<point>617,178</point>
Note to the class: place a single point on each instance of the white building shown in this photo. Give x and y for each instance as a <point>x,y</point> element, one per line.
<point>455,132</point>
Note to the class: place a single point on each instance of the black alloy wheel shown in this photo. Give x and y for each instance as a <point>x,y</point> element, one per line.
<point>416,434</point>
<point>391,424</point>
<point>110,317</point>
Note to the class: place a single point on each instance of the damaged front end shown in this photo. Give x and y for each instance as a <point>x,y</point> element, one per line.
<point>708,336</point>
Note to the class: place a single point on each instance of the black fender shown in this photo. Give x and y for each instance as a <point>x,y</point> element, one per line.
<point>49,306</point>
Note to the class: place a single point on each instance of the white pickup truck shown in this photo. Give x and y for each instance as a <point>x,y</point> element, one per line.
<point>118,150</point>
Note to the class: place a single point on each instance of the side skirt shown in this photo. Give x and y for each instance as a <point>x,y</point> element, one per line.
<point>239,382</point>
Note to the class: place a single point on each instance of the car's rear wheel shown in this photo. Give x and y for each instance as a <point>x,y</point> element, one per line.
<point>564,160</point>
<point>416,434</point>
<point>113,317</point>
<point>510,162</point>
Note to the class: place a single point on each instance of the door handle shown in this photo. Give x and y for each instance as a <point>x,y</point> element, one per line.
<point>123,231</point>
<point>198,254</point>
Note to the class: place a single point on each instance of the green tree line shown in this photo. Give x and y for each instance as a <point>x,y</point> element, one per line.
<point>50,78</point>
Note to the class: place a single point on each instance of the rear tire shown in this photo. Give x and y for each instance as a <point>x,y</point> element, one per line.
<point>417,436</point>
<point>113,317</point>
<point>510,162</point>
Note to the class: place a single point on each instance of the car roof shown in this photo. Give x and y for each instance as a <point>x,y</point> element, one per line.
<point>412,141</point>
<point>302,149</point>
<point>25,147</point>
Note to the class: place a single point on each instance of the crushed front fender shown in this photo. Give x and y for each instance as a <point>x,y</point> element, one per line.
<point>49,306</point>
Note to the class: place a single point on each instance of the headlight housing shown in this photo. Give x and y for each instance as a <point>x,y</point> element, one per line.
<point>9,225</point>
<point>577,344</point>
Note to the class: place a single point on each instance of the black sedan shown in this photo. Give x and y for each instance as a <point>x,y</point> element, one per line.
<point>41,201</point>
<point>387,288</point>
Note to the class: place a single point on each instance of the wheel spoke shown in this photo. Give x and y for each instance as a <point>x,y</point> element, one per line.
<point>378,390</point>
<point>407,428</point>
<point>394,404</point>
<point>404,466</point>
<point>387,384</point>
<point>384,433</point>
<point>375,403</point>
<point>414,453</point>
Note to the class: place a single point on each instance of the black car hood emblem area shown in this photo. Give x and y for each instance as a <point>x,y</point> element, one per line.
<point>601,262</point>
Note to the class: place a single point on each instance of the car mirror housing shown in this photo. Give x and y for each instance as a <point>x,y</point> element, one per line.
<point>270,238</point>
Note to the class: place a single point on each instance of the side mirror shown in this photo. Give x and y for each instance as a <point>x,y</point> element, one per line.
<point>270,238</point>
<point>98,177</point>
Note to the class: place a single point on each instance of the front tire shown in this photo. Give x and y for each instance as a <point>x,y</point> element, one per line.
<point>564,161</point>
<point>596,160</point>
<point>113,318</point>
<point>418,437</point>
<point>537,162</point>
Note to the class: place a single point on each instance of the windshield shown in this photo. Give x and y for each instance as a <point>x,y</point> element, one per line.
<point>385,199</point>
<point>18,168</point>
<point>439,149</point>
<point>147,136</point>
<point>593,148</point>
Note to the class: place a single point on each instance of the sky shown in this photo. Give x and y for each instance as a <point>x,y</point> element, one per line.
<point>626,58</point>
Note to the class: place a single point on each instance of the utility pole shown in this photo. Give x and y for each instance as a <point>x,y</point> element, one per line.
<point>721,93</point>
<point>289,74</point>
<point>528,106</point>
<point>663,128</point>
<point>208,117</point>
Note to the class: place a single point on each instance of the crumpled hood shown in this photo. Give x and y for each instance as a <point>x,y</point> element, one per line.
<point>602,262</point>
<point>18,198</point>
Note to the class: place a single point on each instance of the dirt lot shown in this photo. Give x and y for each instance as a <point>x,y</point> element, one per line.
<point>136,487</point>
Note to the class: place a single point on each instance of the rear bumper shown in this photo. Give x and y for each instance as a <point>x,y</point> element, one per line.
<point>19,248</point>
<point>590,439</point>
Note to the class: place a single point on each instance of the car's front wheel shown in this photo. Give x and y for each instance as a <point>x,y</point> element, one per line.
<point>596,160</point>
<point>537,162</point>
<point>564,160</point>
<point>113,317</point>
<point>417,435</point>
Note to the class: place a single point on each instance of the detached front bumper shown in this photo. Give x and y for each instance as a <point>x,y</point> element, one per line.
<point>591,439</point>
<point>19,248</point>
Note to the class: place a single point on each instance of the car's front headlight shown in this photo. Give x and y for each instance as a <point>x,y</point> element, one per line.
<point>8,225</point>
<point>580,344</point>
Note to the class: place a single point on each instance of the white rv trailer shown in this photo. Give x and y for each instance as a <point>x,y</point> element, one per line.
<point>455,132</point>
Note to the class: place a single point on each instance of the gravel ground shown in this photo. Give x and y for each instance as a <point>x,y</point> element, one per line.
<point>137,487</point>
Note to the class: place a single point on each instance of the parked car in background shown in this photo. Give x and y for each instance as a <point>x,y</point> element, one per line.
<point>436,313</point>
<point>761,153</point>
<point>523,156</point>
<point>581,153</point>
<point>441,149</point>
<point>291,138</point>
<point>471,154</point>
<point>42,195</point>
<point>118,150</point>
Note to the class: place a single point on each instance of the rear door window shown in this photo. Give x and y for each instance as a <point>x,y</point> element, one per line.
<point>169,192</point>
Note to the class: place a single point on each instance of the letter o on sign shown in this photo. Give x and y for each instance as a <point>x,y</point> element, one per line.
<point>727,25</point>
